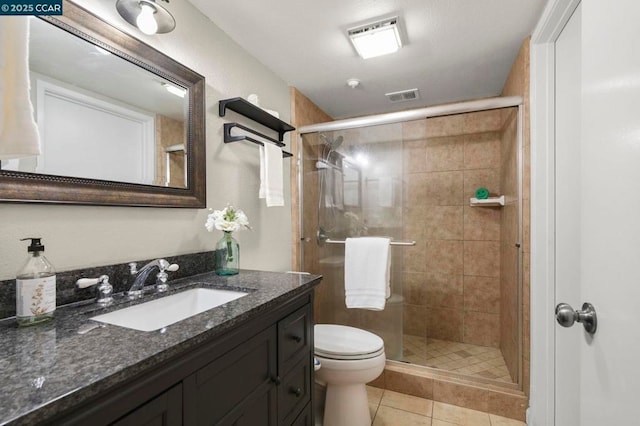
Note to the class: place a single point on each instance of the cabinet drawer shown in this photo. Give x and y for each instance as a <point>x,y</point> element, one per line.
<point>305,418</point>
<point>295,391</point>
<point>294,337</point>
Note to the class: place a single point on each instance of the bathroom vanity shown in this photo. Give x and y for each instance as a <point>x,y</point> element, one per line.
<point>248,362</point>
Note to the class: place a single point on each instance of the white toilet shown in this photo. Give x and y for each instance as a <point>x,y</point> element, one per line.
<point>349,358</point>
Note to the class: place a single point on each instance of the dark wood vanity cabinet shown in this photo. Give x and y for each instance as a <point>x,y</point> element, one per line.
<point>238,387</point>
<point>259,373</point>
<point>264,381</point>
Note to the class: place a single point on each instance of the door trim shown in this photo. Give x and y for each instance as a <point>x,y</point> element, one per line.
<point>542,389</point>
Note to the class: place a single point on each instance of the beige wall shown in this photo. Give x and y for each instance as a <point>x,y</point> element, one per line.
<point>518,85</point>
<point>82,236</point>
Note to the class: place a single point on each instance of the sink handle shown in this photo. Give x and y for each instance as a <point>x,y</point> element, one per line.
<point>163,277</point>
<point>87,282</point>
<point>104,289</point>
<point>163,265</point>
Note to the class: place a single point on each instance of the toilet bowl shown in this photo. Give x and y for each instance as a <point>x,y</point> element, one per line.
<point>349,358</point>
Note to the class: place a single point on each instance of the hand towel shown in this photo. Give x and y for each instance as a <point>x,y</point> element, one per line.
<point>18,131</point>
<point>271,176</point>
<point>367,266</point>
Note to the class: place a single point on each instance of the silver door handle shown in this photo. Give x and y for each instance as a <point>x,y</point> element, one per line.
<point>566,316</point>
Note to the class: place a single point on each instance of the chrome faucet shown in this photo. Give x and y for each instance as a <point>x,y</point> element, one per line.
<point>141,275</point>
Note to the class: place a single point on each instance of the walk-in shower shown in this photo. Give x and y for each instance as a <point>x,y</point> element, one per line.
<point>456,301</point>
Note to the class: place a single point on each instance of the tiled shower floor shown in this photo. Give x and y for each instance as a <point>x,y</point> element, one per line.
<point>473,360</point>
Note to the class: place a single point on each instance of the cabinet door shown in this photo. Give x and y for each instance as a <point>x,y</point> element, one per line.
<point>238,387</point>
<point>304,419</point>
<point>163,410</point>
<point>259,412</point>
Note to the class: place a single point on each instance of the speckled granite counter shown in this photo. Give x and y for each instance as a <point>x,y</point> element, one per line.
<point>48,368</point>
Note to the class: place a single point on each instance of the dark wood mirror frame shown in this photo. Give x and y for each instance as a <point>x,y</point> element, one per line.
<point>40,188</point>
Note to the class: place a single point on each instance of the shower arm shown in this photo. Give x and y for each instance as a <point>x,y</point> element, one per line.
<point>323,239</point>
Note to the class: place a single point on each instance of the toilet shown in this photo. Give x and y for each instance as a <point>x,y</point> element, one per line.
<point>349,358</point>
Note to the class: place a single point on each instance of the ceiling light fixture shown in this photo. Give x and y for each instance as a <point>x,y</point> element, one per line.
<point>377,38</point>
<point>147,15</point>
<point>178,91</point>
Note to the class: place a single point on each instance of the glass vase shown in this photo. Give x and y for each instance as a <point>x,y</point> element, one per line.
<point>227,255</point>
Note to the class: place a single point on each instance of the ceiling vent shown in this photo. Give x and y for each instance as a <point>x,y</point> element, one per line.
<point>403,95</point>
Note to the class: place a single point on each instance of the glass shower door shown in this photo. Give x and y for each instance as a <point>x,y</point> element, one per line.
<point>352,186</point>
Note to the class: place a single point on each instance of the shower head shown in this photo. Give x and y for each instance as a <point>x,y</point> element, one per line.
<point>337,142</point>
<point>332,143</point>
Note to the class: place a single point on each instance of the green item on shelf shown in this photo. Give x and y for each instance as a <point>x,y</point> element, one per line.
<point>482,193</point>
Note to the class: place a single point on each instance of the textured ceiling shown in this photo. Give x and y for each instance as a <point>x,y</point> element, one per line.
<point>454,49</point>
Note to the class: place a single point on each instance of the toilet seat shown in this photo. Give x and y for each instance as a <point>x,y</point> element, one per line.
<point>342,342</point>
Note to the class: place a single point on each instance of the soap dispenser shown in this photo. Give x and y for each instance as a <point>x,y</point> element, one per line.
<point>35,287</point>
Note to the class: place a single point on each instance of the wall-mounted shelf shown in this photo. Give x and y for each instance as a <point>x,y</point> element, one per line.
<point>228,137</point>
<point>257,114</point>
<point>487,202</point>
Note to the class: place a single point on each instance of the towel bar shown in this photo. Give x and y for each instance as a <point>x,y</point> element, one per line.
<point>393,243</point>
<point>322,238</point>
<point>228,137</point>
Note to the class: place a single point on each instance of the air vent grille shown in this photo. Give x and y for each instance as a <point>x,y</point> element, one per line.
<point>403,95</point>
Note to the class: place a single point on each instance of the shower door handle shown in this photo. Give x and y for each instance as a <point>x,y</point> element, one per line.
<point>566,316</point>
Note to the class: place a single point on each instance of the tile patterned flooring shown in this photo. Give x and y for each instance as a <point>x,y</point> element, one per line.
<point>474,360</point>
<point>390,408</point>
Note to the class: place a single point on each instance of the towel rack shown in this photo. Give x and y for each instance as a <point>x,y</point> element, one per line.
<point>322,238</point>
<point>255,113</point>
<point>393,243</point>
<point>228,137</point>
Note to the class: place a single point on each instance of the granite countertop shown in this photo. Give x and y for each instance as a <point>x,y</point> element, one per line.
<point>50,367</point>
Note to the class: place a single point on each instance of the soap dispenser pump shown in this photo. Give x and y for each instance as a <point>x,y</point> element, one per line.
<point>35,287</point>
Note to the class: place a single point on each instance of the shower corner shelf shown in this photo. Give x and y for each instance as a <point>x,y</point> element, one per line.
<point>487,202</point>
<point>257,114</point>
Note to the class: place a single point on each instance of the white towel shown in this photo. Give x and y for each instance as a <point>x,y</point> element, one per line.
<point>271,177</point>
<point>18,131</point>
<point>367,266</point>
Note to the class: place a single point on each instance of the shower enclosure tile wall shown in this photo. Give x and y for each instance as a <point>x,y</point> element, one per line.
<point>452,284</point>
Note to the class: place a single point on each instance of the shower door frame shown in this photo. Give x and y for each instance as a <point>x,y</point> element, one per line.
<point>423,113</point>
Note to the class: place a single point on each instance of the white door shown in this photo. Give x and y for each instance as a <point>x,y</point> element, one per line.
<point>568,217</point>
<point>597,213</point>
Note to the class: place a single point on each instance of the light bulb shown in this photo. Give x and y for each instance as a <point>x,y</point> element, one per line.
<point>146,21</point>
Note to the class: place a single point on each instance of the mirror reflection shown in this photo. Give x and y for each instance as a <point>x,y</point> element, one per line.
<point>100,116</point>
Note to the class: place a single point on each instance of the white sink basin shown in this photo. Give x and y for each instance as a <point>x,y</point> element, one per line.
<point>158,313</point>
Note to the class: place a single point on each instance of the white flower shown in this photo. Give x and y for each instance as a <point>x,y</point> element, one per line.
<point>229,220</point>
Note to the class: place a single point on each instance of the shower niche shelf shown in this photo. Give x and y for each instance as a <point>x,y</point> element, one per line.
<point>487,202</point>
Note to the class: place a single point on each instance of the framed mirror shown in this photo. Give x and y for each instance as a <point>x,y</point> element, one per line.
<point>120,123</point>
